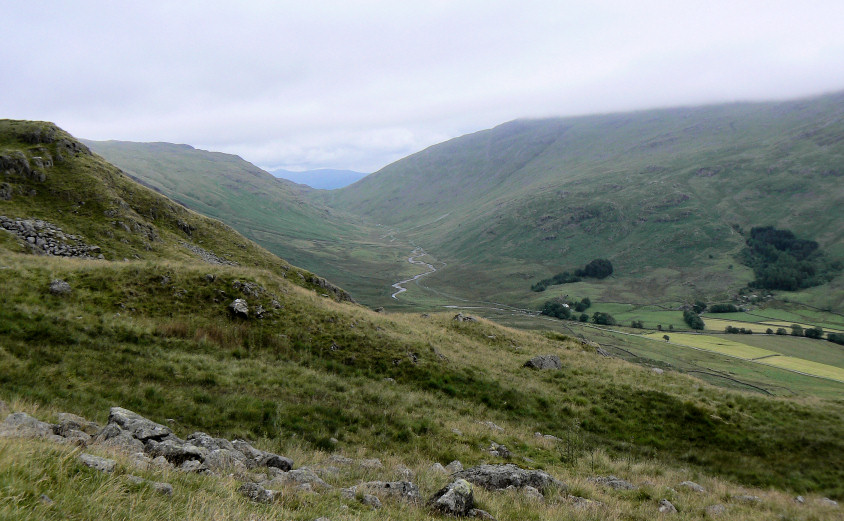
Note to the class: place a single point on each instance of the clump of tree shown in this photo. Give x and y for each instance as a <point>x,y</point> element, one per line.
<point>699,306</point>
<point>796,330</point>
<point>723,308</point>
<point>782,261</point>
<point>637,324</point>
<point>781,331</point>
<point>693,319</point>
<point>813,332</point>
<point>556,308</point>
<point>838,338</point>
<point>604,319</point>
<point>738,330</point>
<point>582,305</point>
<point>596,269</point>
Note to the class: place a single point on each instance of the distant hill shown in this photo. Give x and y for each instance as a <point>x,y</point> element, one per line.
<point>667,195</point>
<point>322,179</point>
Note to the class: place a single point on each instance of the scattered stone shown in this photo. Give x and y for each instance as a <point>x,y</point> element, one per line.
<point>115,437</point>
<point>259,458</point>
<point>544,362</point>
<point>691,485</point>
<point>477,513</point>
<point>59,287</point>
<point>601,351</point>
<point>322,519</point>
<point>404,490</point>
<point>404,472</point>
<point>746,498</point>
<point>22,425</point>
<point>193,466</point>
<point>454,466</point>
<point>498,477</point>
<point>44,498</point>
<point>160,487</point>
<point>460,317</point>
<point>500,451</point>
<point>257,493</point>
<point>300,476</point>
<point>800,499</point>
<point>97,463</point>
<point>581,503</point>
<point>340,460</point>
<point>457,432</point>
<point>176,451</point>
<point>613,482</point>
<point>371,501</point>
<point>46,238</point>
<point>715,510</point>
<point>665,507</point>
<point>828,502</point>
<point>456,499</point>
<point>208,257</point>
<point>656,370</point>
<point>239,308</point>
<point>492,426</point>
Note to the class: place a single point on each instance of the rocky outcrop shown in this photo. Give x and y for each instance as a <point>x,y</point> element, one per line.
<point>97,463</point>
<point>665,507</point>
<point>207,256</point>
<point>139,427</point>
<point>499,477</point>
<point>22,425</point>
<point>544,362</point>
<point>48,239</point>
<point>257,493</point>
<point>59,287</point>
<point>239,308</point>
<point>691,485</point>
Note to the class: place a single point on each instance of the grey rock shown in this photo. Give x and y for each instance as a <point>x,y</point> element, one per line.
<point>691,485</point>
<point>348,493</point>
<point>22,425</point>
<point>533,494</point>
<point>499,450</point>
<point>613,482</point>
<point>138,426</point>
<point>498,477</point>
<point>161,463</point>
<point>544,362</point>
<point>371,501</point>
<point>657,370</point>
<point>160,487</point>
<point>239,308</point>
<point>492,426</point>
<point>257,493</point>
<point>665,507</point>
<point>75,437</point>
<point>58,286</point>
<point>373,463</point>
<point>68,422</point>
<point>97,463</point>
<point>322,519</point>
<point>715,510</point>
<point>404,473</point>
<point>404,490</point>
<point>477,513</point>
<point>581,503</point>
<point>546,436</point>
<point>260,458</point>
<point>340,460</point>
<point>175,451</point>
<point>454,466</point>
<point>828,502</point>
<point>113,436</point>
<point>45,499</point>
<point>456,499</point>
<point>800,499</point>
<point>300,476</point>
<point>193,466</point>
<point>225,460</point>
<point>438,468</point>
<point>747,498</point>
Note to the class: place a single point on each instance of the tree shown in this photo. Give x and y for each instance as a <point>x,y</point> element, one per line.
<point>604,319</point>
<point>584,317</point>
<point>665,337</point>
<point>769,331</point>
<point>557,309</point>
<point>693,319</point>
<point>699,307</point>
<point>596,269</point>
<point>796,330</point>
<point>781,331</point>
<point>813,332</point>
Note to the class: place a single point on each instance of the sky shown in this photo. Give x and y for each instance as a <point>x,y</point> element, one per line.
<point>360,84</point>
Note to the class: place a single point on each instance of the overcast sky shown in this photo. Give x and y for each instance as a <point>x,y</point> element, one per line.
<point>359,84</point>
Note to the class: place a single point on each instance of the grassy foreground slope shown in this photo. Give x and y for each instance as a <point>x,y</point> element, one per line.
<point>153,333</point>
<point>664,194</point>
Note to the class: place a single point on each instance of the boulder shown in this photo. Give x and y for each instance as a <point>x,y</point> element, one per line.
<point>139,427</point>
<point>665,507</point>
<point>300,476</point>
<point>22,425</point>
<point>747,498</point>
<point>544,362</point>
<point>438,468</point>
<point>256,493</point>
<point>456,499</point>
<point>715,510</point>
<point>59,287</point>
<point>404,490</point>
<point>175,451</point>
<point>224,460</point>
<point>97,463</point>
<point>533,494</point>
<point>372,463</point>
<point>691,485</point>
<point>259,458</point>
<point>499,477</point>
<point>239,308</point>
<point>828,502</point>
<point>371,501</point>
<point>454,466</point>
<point>477,513</point>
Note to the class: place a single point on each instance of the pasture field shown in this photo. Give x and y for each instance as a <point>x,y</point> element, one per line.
<point>713,343</point>
<point>719,324</point>
<point>806,366</point>
<point>819,351</point>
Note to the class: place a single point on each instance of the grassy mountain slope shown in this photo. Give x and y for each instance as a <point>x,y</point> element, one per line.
<point>322,179</point>
<point>153,333</point>
<point>273,212</point>
<point>654,190</point>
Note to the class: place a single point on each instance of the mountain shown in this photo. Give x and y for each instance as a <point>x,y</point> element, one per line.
<point>322,179</point>
<point>273,212</point>
<point>114,295</point>
<point>671,192</point>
